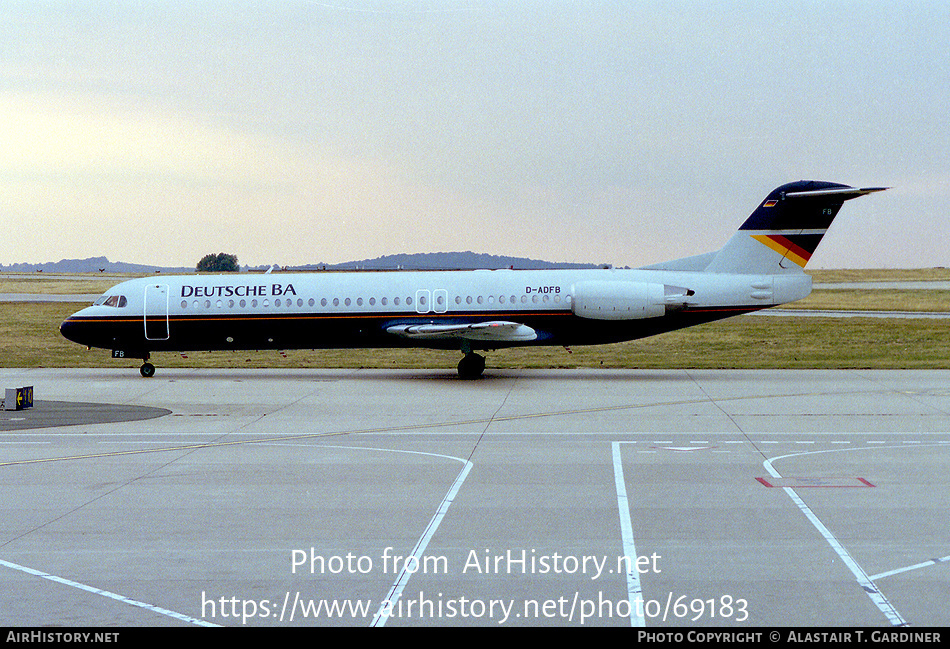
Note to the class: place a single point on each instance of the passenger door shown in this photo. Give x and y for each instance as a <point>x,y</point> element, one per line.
<point>156,312</point>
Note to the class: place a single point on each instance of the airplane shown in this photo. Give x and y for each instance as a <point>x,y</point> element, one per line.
<point>760,266</point>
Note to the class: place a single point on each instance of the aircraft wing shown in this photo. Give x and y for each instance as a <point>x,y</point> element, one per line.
<point>495,330</point>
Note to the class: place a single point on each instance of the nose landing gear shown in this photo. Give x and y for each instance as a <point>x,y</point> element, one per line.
<point>147,370</point>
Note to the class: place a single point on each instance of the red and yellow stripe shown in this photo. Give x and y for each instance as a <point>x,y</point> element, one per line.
<point>785,247</point>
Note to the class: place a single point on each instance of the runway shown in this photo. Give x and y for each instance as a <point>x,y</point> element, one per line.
<point>412,498</point>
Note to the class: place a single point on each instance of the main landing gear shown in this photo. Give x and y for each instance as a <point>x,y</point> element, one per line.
<point>471,366</point>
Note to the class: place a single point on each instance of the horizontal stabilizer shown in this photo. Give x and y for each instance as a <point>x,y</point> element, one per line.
<point>496,330</point>
<point>844,194</point>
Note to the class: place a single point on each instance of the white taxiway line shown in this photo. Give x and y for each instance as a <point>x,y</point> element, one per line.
<point>385,609</point>
<point>866,582</point>
<point>105,593</point>
<point>634,589</point>
<point>395,592</point>
<point>922,564</point>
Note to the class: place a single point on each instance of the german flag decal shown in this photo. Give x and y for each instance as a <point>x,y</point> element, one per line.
<point>787,248</point>
<point>769,203</point>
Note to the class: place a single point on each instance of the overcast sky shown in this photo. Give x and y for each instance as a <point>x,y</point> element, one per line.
<point>607,132</point>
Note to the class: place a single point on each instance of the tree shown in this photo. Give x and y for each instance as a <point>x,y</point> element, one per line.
<point>219,263</point>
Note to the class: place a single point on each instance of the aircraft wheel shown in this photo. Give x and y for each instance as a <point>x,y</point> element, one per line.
<point>147,370</point>
<point>471,366</point>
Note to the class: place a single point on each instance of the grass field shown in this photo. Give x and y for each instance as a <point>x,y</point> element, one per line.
<point>875,300</point>
<point>880,275</point>
<point>29,337</point>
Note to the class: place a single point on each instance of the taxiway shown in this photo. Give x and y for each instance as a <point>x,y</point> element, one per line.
<point>371,497</point>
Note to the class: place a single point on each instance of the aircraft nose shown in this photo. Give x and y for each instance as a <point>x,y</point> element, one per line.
<point>74,330</point>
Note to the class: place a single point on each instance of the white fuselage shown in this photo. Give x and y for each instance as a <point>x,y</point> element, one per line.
<point>253,311</point>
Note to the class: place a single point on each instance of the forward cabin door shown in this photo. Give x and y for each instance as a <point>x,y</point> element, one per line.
<point>156,312</point>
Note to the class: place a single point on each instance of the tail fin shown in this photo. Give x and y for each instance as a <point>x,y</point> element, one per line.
<point>783,233</point>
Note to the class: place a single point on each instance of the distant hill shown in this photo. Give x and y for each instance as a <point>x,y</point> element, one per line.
<point>440,261</point>
<point>90,265</point>
<point>418,261</point>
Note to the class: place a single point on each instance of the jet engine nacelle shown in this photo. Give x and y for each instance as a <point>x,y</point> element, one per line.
<point>619,300</point>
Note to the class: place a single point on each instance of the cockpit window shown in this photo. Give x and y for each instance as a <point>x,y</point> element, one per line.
<point>117,301</point>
